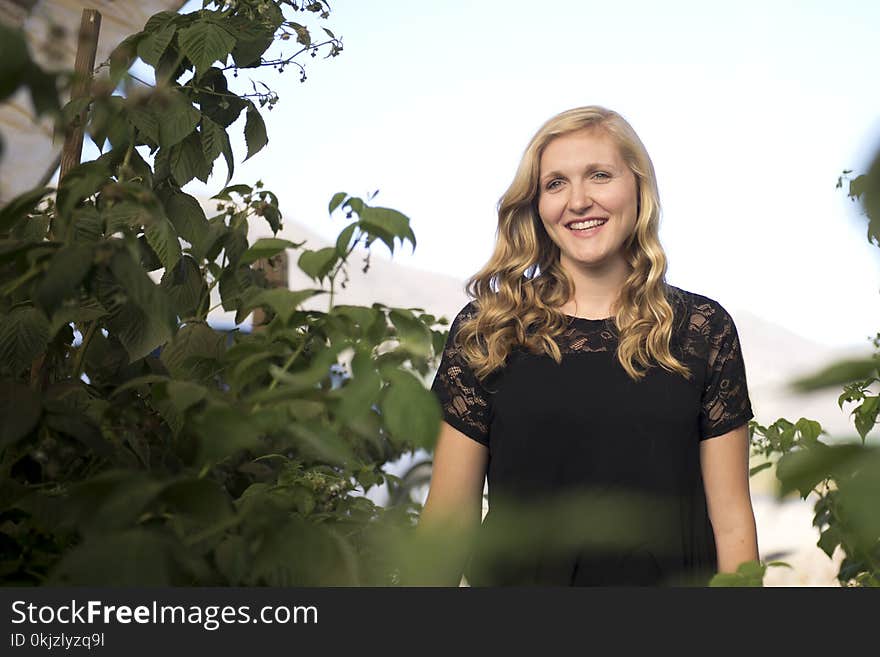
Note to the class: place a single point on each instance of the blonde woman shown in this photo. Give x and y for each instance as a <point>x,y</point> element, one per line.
<point>608,408</point>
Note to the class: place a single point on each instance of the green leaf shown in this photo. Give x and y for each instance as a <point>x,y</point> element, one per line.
<point>194,351</point>
<point>866,415</point>
<point>317,264</point>
<point>79,183</point>
<point>123,56</point>
<point>249,52</point>
<point>216,100</point>
<point>22,205</point>
<point>344,239</point>
<point>130,557</point>
<point>302,34</point>
<point>413,335</point>
<point>186,215</point>
<point>67,269</point>
<point>32,229</point>
<point>213,135</point>
<point>871,200</point>
<point>185,394</point>
<point>178,118</point>
<point>137,382</point>
<point>254,131</point>
<point>204,43</point>
<point>362,316</point>
<point>222,431</point>
<point>88,224</point>
<point>201,500</point>
<point>410,412</point>
<point>84,310</point>
<point>141,318</point>
<point>803,469</point>
<point>162,238</point>
<point>144,119</point>
<point>750,573</point>
<point>188,161</point>
<point>856,500</point>
<point>24,333</point>
<point>266,248</point>
<point>153,45</point>
<point>829,540</point>
<point>160,20</point>
<point>358,394</point>
<point>78,425</point>
<point>20,409</point>
<point>185,287</point>
<point>126,215</point>
<point>228,157</point>
<point>759,468</point>
<point>225,194</point>
<point>281,300</point>
<point>838,373</point>
<point>296,382</point>
<point>386,224</point>
<point>322,443</point>
<point>338,198</point>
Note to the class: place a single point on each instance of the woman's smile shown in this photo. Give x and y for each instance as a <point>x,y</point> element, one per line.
<point>584,179</point>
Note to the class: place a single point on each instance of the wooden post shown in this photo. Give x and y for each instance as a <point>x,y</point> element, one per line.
<point>275,269</point>
<point>87,46</point>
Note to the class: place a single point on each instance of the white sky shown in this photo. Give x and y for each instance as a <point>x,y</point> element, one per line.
<point>750,111</point>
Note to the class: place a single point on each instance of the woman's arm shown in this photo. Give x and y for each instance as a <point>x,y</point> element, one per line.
<point>724,461</point>
<point>453,509</point>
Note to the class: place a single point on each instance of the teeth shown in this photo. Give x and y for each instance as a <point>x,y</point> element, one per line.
<point>586,224</point>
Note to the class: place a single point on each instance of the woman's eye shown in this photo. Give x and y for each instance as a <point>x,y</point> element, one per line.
<point>553,184</point>
<point>602,173</point>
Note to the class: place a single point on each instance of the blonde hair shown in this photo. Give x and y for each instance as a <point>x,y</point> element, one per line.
<point>642,313</point>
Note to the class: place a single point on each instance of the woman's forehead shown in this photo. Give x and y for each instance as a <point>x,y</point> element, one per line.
<point>582,147</point>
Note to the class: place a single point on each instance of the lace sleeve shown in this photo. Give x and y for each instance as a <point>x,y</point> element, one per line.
<point>466,405</point>
<point>725,401</point>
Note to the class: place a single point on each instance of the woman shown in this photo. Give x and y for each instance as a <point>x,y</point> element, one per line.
<point>608,408</point>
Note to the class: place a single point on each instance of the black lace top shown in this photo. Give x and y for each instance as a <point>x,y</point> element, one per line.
<point>594,479</point>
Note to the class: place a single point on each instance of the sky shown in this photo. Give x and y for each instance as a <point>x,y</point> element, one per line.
<point>750,112</point>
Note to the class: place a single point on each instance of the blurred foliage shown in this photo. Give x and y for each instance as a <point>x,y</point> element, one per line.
<point>845,475</point>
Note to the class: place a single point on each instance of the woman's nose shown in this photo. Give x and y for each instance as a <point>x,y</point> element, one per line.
<point>580,198</point>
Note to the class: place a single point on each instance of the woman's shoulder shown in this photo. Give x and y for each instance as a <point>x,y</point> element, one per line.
<point>700,308</point>
<point>465,312</point>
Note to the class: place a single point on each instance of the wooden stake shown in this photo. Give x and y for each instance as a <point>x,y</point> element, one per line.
<point>275,269</point>
<point>87,46</point>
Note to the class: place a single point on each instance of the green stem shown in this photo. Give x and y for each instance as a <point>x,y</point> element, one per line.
<point>288,363</point>
<point>332,288</point>
<point>81,354</point>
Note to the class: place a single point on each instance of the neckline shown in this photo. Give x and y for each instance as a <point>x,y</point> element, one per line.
<point>587,319</point>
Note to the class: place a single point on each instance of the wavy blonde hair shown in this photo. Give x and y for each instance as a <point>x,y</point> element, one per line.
<point>642,313</point>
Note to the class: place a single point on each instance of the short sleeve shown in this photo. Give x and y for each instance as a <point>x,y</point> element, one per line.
<point>465,403</point>
<point>725,400</point>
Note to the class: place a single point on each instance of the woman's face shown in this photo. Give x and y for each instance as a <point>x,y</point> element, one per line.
<point>583,177</point>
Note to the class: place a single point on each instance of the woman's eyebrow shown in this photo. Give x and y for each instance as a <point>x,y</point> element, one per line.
<point>589,167</point>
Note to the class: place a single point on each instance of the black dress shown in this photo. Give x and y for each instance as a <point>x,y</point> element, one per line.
<point>595,479</point>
